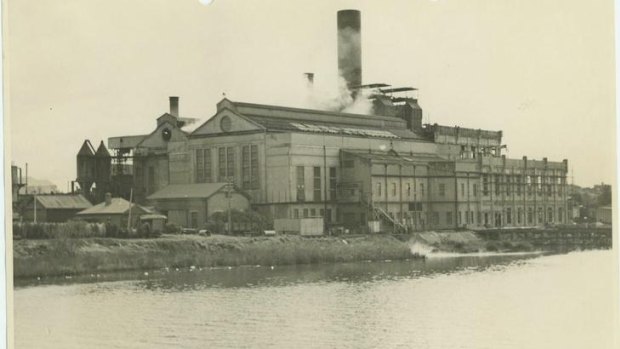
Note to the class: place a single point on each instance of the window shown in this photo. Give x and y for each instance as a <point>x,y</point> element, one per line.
<point>328,215</point>
<point>200,166</point>
<point>379,189</point>
<point>518,183</point>
<point>530,215</point>
<point>509,215</point>
<point>249,166</point>
<point>321,212</point>
<point>305,213</point>
<point>316,184</point>
<point>560,215</point>
<point>540,215</point>
<point>442,189</point>
<point>498,179</point>
<point>332,183</point>
<point>296,213</point>
<point>508,185</point>
<point>485,185</point>
<point>312,212</point>
<point>226,163</point>
<point>421,189</point>
<point>203,165</point>
<point>300,180</point>
<point>449,218</point>
<point>459,218</point>
<point>475,190</point>
<point>230,161</point>
<point>408,189</point>
<point>221,160</point>
<point>519,215</point>
<point>549,215</point>
<point>435,218</point>
<point>393,189</point>
<point>463,190</point>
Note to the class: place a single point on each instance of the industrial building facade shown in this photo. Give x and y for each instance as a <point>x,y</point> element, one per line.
<point>349,169</point>
<point>353,170</point>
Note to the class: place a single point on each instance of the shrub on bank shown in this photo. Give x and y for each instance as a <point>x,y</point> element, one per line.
<point>75,230</point>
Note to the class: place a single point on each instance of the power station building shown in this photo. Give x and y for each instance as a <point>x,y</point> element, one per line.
<point>350,169</point>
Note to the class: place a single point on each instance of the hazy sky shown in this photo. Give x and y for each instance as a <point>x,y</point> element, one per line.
<point>540,70</point>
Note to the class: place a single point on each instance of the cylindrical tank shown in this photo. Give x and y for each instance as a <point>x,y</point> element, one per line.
<point>350,47</point>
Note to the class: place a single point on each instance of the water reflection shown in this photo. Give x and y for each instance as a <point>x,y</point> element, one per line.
<point>276,276</point>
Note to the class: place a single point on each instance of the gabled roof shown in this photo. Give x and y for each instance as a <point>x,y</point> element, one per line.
<point>102,151</point>
<point>86,149</point>
<point>188,191</point>
<point>117,206</point>
<point>287,119</point>
<point>63,202</point>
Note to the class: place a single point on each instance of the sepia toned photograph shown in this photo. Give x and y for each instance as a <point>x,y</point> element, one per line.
<point>311,174</point>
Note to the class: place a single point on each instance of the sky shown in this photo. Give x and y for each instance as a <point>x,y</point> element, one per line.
<point>540,70</point>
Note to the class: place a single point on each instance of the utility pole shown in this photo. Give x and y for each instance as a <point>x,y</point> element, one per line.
<point>129,219</point>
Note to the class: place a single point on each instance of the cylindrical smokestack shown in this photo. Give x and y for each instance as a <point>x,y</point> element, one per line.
<point>174,106</point>
<point>350,47</point>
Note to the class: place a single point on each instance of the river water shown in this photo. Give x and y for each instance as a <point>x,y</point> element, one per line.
<point>519,301</point>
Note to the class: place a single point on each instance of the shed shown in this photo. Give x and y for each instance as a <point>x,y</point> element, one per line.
<point>114,211</point>
<point>190,205</point>
<point>53,208</point>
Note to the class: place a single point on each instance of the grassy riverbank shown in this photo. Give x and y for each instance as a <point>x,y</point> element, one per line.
<point>34,258</point>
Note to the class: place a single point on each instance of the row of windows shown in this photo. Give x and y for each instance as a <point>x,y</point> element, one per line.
<point>317,182</point>
<point>468,217</point>
<point>226,160</point>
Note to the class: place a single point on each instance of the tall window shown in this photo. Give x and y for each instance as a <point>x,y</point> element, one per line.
<point>497,184</point>
<point>408,189</point>
<point>442,189</point>
<point>221,160</point>
<point>485,184</point>
<point>301,188</point>
<point>393,189</point>
<point>462,190</point>
<point>230,161</point>
<point>508,185</point>
<point>508,215</point>
<point>317,184</point>
<point>530,215</point>
<point>249,166</point>
<point>475,189</point>
<point>422,190</point>
<point>332,183</point>
<point>379,189</point>
<point>518,182</point>
<point>203,166</point>
<point>449,218</point>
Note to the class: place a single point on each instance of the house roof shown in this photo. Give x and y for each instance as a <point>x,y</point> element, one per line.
<point>117,206</point>
<point>188,191</point>
<point>63,202</point>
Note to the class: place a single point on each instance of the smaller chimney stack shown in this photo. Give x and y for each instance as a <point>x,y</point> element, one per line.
<point>174,106</point>
<point>309,79</point>
<point>108,199</point>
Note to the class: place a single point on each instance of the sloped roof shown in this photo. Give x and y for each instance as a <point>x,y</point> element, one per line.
<point>86,149</point>
<point>187,191</point>
<point>392,156</point>
<point>63,202</point>
<point>102,151</point>
<point>117,206</point>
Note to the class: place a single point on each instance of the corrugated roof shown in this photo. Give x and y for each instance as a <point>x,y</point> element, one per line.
<point>63,202</point>
<point>117,206</point>
<point>274,124</point>
<point>187,191</point>
<point>392,157</point>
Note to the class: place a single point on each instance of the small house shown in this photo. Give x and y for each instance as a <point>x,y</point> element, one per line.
<point>190,205</point>
<point>53,208</point>
<point>114,211</point>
